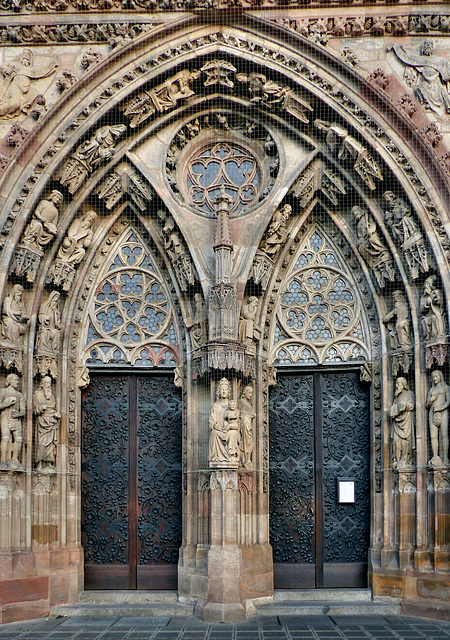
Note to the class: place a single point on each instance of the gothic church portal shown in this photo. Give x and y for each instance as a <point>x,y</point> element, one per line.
<point>224,280</point>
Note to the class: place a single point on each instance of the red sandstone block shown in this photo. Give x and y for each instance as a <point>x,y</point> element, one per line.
<point>26,590</point>
<point>25,611</point>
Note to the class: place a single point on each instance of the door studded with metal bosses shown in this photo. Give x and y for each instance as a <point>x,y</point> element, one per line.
<point>319,480</point>
<point>131,482</point>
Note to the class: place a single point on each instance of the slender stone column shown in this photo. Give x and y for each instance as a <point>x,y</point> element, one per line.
<point>442,517</point>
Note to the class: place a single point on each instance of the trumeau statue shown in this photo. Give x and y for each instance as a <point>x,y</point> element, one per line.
<point>17,92</point>
<point>428,74</point>
<point>402,414</point>
<point>222,439</point>
<point>438,402</point>
<point>372,248</point>
<point>247,417</point>
<point>14,318</point>
<point>47,423</point>
<point>399,332</point>
<point>89,155</point>
<point>246,329</point>
<point>433,323</point>
<point>12,411</point>
<point>405,230</point>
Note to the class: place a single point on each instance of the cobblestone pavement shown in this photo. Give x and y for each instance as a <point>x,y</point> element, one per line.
<point>259,628</point>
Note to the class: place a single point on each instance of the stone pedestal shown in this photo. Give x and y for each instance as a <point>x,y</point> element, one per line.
<point>224,556</point>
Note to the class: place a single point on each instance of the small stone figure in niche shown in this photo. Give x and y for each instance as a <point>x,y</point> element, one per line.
<point>47,422</point>
<point>14,318</point>
<point>42,228</point>
<point>219,455</point>
<point>402,414</point>
<point>438,402</point>
<point>277,231</point>
<point>247,416</point>
<point>404,228</point>
<point>89,155</point>
<point>399,331</point>
<point>246,330</point>
<point>78,239</point>
<point>433,323</point>
<point>372,248</point>
<point>50,324</point>
<point>12,410</point>
<point>197,324</point>
<point>232,419</point>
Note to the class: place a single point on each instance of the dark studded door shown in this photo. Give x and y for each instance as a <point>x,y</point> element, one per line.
<point>319,442</point>
<point>131,482</point>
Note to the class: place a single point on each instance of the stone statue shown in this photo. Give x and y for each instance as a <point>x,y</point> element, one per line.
<point>372,248</point>
<point>438,401</point>
<point>42,228</point>
<point>89,155</point>
<point>246,330</point>
<point>50,324</point>
<point>247,416</point>
<point>47,422</point>
<point>344,147</point>
<point>402,414</point>
<point>428,74</point>
<point>399,331</point>
<point>197,324</point>
<point>232,422</point>
<point>264,91</point>
<point>78,239</point>
<point>219,435</point>
<point>12,410</point>
<point>433,323</point>
<point>432,308</point>
<point>14,318</point>
<point>179,257</point>
<point>404,228</point>
<point>277,231</point>
<point>17,93</point>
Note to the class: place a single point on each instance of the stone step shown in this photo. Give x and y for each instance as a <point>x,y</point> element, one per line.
<point>335,608</point>
<point>128,597</point>
<point>322,595</point>
<point>101,610</point>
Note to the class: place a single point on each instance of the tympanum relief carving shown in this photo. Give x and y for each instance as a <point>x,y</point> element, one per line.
<point>19,90</point>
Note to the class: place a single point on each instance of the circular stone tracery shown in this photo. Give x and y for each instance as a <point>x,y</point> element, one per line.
<point>218,149</point>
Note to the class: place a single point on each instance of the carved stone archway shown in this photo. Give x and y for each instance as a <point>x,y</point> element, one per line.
<point>313,136</point>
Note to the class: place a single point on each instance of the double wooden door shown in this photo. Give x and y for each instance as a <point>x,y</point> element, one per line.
<point>131,482</point>
<point>319,438</point>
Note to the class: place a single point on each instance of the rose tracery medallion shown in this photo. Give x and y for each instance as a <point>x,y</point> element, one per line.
<point>222,150</point>
<point>223,164</point>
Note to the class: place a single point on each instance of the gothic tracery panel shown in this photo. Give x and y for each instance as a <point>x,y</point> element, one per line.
<point>319,316</point>
<point>131,317</point>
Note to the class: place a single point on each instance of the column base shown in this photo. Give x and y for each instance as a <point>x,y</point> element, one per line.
<point>218,612</point>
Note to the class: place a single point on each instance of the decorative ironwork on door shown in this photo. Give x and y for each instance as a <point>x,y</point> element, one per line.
<point>131,482</point>
<point>319,433</point>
